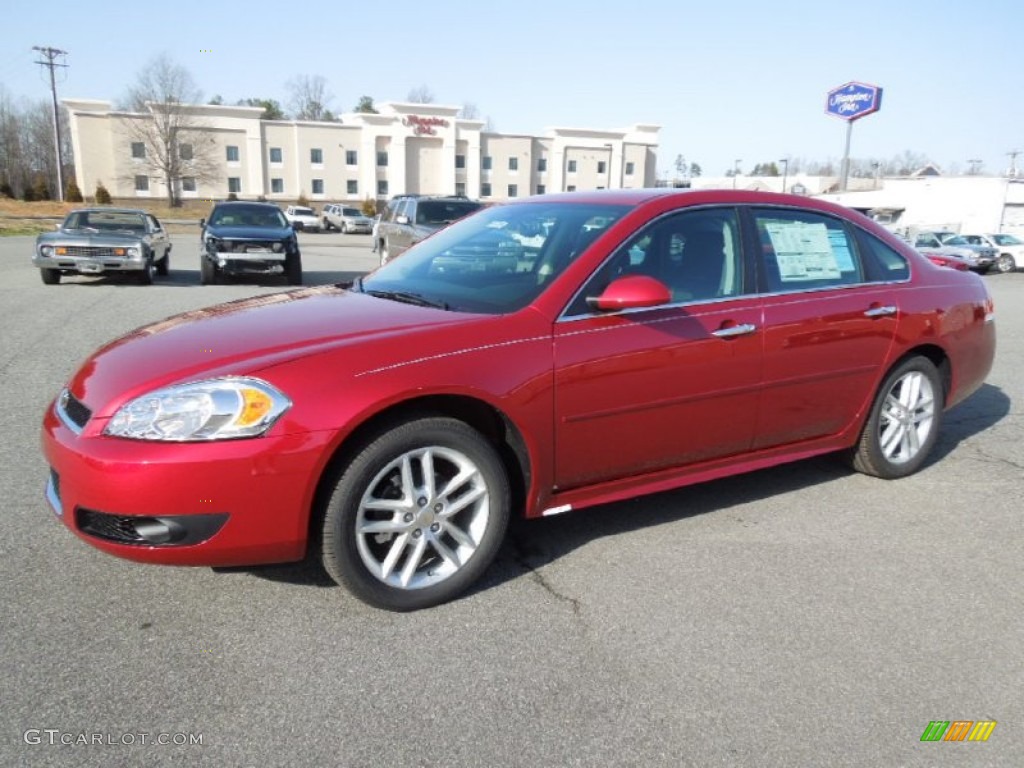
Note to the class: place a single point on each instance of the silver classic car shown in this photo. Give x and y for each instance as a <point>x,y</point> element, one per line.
<point>94,241</point>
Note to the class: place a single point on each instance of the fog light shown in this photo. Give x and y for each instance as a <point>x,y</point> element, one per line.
<point>157,531</point>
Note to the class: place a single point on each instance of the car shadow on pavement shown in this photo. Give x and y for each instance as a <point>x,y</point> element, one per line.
<point>532,544</point>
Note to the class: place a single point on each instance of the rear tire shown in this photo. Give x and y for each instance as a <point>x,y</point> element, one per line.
<point>904,421</point>
<point>50,276</point>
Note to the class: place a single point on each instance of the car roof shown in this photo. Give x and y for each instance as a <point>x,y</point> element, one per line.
<point>109,210</point>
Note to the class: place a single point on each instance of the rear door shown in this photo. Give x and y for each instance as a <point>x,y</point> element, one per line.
<point>830,319</point>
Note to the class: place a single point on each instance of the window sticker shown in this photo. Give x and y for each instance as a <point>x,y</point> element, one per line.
<point>841,250</point>
<point>803,251</point>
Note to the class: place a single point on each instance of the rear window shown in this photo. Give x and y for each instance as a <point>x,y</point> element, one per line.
<point>351,212</point>
<point>443,211</point>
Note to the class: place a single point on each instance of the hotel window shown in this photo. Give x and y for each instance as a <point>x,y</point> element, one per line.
<point>275,154</point>
<point>485,189</point>
<point>485,163</point>
<point>142,183</point>
<point>232,154</point>
<point>460,161</point>
<point>540,189</point>
<point>138,150</point>
<point>188,184</point>
<point>352,187</point>
<point>602,166</point>
<point>318,186</point>
<point>316,156</point>
<point>382,158</point>
<point>185,151</point>
<point>572,166</point>
<point>351,157</point>
<point>277,186</point>
<point>513,190</point>
<point>513,163</point>
<point>235,184</point>
<point>629,169</point>
<point>460,188</point>
<point>542,164</point>
<point>571,188</point>
<point>382,187</point>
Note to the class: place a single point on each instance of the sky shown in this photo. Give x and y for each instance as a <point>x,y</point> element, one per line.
<point>726,81</point>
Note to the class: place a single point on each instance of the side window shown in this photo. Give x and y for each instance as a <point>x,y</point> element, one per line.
<point>696,254</point>
<point>882,262</point>
<point>803,251</point>
<point>154,225</point>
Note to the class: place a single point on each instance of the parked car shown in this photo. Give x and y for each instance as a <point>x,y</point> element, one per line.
<point>241,238</point>
<point>654,339</point>
<point>979,258</point>
<point>302,218</point>
<point>346,219</point>
<point>410,218</point>
<point>1009,249</point>
<point>94,241</point>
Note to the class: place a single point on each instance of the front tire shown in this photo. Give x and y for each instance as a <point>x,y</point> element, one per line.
<point>904,421</point>
<point>1005,263</point>
<point>417,515</point>
<point>148,273</point>
<point>293,269</point>
<point>50,276</point>
<point>207,271</point>
<point>163,267</point>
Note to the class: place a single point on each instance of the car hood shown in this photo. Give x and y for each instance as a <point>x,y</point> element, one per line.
<point>247,233</point>
<point>82,237</point>
<point>243,337</point>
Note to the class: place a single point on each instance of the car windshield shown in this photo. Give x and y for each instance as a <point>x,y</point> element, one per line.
<point>106,221</point>
<point>351,212</point>
<point>262,216</point>
<point>443,211</point>
<point>954,240</point>
<point>1007,240</point>
<point>496,261</point>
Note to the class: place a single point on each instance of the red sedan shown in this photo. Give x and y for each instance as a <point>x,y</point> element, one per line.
<point>535,358</point>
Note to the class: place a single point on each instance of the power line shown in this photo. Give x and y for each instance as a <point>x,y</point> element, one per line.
<point>50,54</point>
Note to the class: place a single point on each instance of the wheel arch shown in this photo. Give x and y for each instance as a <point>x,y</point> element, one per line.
<point>939,358</point>
<point>489,421</point>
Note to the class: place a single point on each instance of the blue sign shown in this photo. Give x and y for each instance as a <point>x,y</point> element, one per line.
<point>853,101</point>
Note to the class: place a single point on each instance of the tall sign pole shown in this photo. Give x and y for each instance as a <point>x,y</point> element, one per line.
<point>851,102</point>
<point>50,54</point>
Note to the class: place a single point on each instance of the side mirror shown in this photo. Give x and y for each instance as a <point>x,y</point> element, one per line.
<point>402,219</point>
<point>632,292</point>
<point>202,223</point>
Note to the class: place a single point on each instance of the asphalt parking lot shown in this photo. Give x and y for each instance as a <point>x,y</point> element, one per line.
<point>798,616</point>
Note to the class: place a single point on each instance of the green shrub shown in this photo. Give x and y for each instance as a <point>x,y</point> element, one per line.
<point>73,194</point>
<point>369,207</point>
<point>303,201</point>
<point>102,194</point>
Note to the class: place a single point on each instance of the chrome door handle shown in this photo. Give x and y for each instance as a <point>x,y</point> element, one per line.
<point>735,330</point>
<point>881,311</point>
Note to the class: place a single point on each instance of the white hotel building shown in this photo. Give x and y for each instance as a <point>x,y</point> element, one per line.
<point>405,148</point>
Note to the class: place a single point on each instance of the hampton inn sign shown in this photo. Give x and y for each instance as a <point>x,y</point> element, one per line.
<point>424,126</point>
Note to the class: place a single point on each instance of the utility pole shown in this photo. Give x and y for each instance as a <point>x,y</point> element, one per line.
<point>50,54</point>
<point>975,163</point>
<point>1012,172</point>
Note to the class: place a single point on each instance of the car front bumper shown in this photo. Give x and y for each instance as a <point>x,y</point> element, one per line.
<point>89,265</point>
<point>223,503</point>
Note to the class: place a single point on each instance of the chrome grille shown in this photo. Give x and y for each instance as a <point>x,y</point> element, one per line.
<point>89,252</point>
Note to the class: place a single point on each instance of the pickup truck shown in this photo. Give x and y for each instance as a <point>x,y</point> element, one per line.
<point>301,217</point>
<point>979,258</point>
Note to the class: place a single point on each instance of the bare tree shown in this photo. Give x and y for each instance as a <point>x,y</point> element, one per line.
<point>309,98</point>
<point>469,111</point>
<point>28,163</point>
<point>165,120</point>
<point>420,95</point>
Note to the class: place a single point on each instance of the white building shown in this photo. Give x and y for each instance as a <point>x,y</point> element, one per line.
<point>405,148</point>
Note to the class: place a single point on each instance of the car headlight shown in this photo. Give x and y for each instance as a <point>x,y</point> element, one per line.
<point>215,409</point>
<point>46,250</point>
<point>134,252</point>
